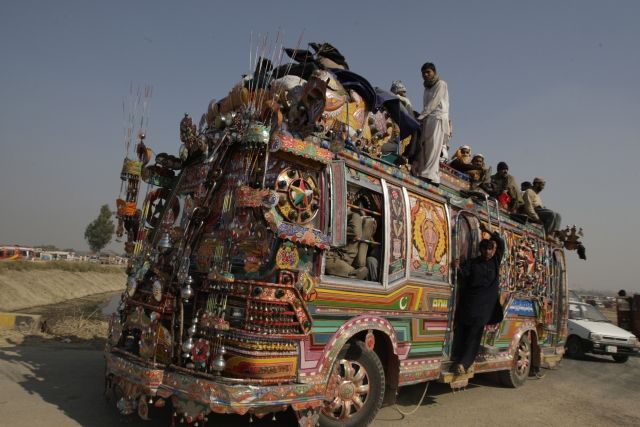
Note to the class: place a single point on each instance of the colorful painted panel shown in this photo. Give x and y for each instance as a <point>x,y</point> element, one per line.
<point>257,367</point>
<point>521,308</point>
<point>525,267</point>
<point>288,143</point>
<point>338,214</point>
<point>406,298</point>
<point>398,235</point>
<point>429,239</point>
<point>194,178</point>
<point>363,179</point>
<point>296,233</point>
<point>428,337</point>
<point>392,171</point>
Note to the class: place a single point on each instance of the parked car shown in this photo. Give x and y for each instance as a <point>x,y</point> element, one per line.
<point>591,332</point>
<point>573,296</point>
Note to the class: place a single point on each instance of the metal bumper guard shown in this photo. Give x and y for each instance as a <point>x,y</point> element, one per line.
<point>194,397</point>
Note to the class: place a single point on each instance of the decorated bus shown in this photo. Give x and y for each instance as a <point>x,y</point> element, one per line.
<point>17,253</point>
<point>281,260</point>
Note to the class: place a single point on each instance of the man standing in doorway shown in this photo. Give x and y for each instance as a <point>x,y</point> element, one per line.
<point>435,126</point>
<point>479,301</point>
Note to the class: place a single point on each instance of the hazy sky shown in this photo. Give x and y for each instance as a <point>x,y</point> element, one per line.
<point>550,87</point>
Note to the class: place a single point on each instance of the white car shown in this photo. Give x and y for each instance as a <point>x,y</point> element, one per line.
<point>591,332</point>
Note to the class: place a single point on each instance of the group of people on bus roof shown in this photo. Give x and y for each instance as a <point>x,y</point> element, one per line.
<point>432,147</point>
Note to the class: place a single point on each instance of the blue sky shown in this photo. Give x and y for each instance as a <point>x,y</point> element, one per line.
<point>550,87</point>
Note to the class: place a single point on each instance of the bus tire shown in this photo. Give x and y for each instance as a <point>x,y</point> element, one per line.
<point>620,358</point>
<point>359,388</point>
<point>574,347</point>
<point>517,375</point>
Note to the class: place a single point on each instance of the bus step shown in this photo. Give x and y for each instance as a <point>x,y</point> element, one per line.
<point>454,380</point>
<point>489,349</point>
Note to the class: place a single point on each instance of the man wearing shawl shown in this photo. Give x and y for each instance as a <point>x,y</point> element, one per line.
<point>462,159</point>
<point>479,300</point>
<point>536,211</point>
<point>505,189</point>
<point>398,89</point>
<point>435,126</point>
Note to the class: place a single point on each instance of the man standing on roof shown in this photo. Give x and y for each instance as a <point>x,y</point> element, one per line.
<point>536,211</point>
<point>435,126</point>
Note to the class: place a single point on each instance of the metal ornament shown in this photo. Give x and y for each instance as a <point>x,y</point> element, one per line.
<point>132,285</point>
<point>187,345</point>
<point>218,363</point>
<point>157,290</point>
<point>183,271</point>
<point>192,330</point>
<point>125,406</point>
<point>164,244</point>
<point>186,292</point>
<point>183,152</point>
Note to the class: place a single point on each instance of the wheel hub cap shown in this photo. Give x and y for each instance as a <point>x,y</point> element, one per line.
<point>346,390</point>
<point>351,391</point>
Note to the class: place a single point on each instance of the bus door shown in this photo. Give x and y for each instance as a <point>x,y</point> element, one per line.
<point>465,239</point>
<point>558,298</point>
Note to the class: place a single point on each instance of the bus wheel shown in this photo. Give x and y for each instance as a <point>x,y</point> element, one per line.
<point>620,358</point>
<point>517,375</point>
<point>574,347</point>
<point>359,388</point>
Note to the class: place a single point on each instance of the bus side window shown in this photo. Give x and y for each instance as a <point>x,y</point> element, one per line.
<point>360,257</point>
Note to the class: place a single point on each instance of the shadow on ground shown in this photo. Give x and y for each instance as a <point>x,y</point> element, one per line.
<point>409,397</point>
<point>595,359</point>
<point>70,376</point>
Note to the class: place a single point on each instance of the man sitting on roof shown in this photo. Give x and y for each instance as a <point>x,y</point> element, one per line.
<point>536,211</point>
<point>462,159</point>
<point>505,189</point>
<point>480,175</point>
<point>398,89</point>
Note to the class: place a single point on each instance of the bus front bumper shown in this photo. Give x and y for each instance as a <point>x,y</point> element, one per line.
<point>136,384</point>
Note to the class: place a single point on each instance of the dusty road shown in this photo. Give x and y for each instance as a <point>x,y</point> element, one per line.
<point>45,383</point>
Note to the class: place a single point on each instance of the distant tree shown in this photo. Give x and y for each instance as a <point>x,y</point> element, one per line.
<point>47,247</point>
<point>98,234</point>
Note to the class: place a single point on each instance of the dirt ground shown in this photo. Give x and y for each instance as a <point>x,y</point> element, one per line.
<point>20,290</point>
<point>50,382</point>
<point>80,320</point>
<point>55,378</point>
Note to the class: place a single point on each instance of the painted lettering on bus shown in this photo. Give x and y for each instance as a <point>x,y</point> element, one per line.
<point>440,304</point>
